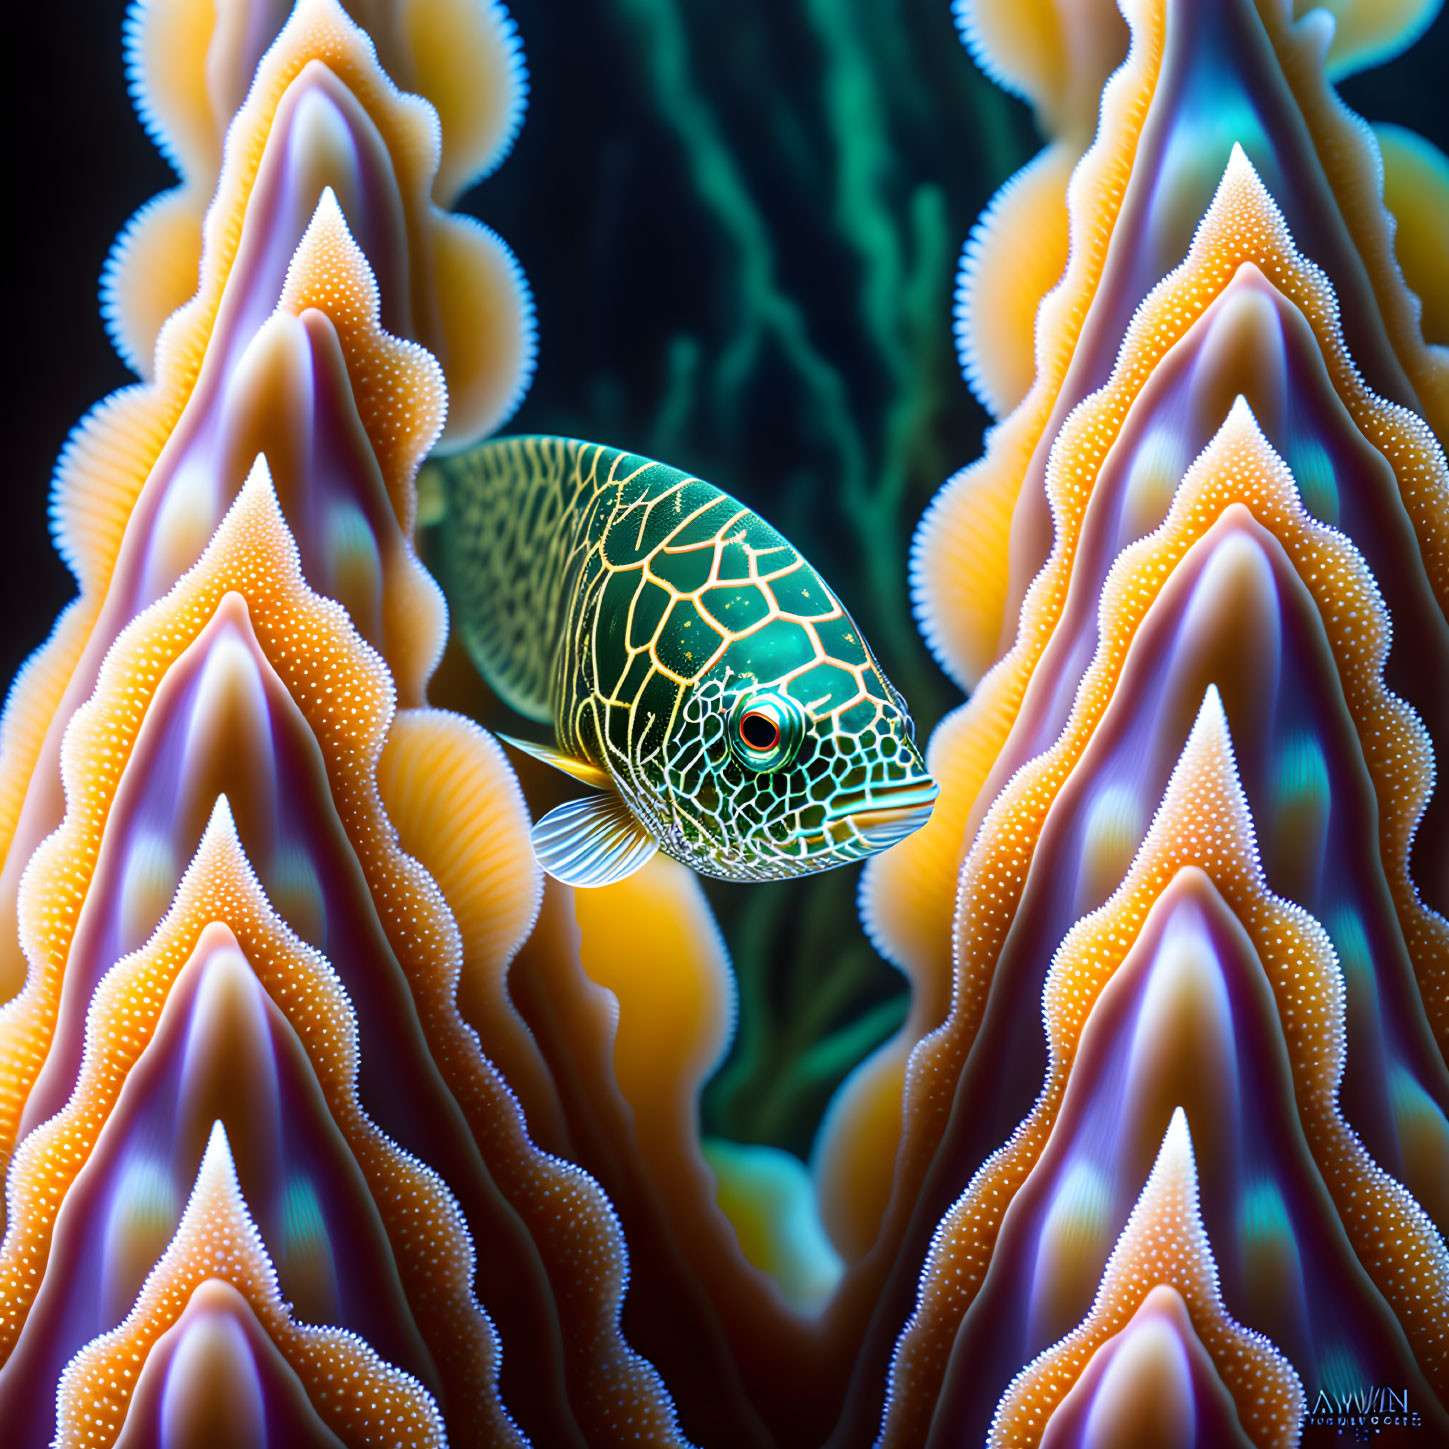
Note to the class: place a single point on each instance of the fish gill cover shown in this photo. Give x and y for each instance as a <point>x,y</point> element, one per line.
<point>327,1118</point>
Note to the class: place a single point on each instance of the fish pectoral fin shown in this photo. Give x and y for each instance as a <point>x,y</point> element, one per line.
<point>580,770</point>
<point>593,841</point>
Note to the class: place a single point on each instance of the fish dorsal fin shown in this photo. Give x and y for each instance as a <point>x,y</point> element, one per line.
<point>580,770</point>
<point>592,841</point>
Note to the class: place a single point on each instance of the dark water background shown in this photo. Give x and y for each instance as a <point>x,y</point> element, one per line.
<point>741,223</point>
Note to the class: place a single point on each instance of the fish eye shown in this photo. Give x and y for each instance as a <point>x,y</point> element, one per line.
<point>765,730</point>
<point>758,730</point>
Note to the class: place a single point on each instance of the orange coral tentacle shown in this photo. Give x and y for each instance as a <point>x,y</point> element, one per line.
<point>1163,1244</point>
<point>365,1400</point>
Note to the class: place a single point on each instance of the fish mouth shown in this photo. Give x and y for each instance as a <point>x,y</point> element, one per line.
<point>887,813</point>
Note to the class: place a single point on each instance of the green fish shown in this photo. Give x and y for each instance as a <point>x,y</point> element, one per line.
<point>699,675</point>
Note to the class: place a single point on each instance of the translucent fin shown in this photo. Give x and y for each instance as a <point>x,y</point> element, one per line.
<point>467,60</point>
<point>1416,190</point>
<point>579,770</point>
<point>152,270</point>
<point>1012,259</point>
<point>591,842</point>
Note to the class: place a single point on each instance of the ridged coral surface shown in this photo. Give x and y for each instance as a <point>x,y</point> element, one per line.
<point>326,1122</point>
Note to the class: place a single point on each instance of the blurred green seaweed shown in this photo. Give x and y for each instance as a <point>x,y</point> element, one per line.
<point>741,224</point>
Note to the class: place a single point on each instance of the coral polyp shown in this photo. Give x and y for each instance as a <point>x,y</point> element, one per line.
<point>330,1117</point>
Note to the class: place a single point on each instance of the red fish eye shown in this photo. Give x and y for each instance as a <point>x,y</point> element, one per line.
<point>759,731</point>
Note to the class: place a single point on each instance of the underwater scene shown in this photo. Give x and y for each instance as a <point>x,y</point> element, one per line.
<point>726,725</point>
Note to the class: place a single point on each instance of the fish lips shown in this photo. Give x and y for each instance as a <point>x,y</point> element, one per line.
<point>888,813</point>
